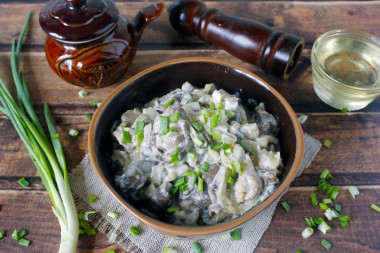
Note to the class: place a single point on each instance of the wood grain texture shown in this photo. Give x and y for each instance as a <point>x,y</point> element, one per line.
<point>353,158</point>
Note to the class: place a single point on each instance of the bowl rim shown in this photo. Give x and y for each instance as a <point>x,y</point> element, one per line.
<point>195,231</point>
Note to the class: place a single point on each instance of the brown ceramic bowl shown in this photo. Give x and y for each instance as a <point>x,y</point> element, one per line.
<point>159,80</point>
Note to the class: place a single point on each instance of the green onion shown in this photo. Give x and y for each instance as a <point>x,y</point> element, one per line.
<point>310,222</point>
<point>196,247</point>
<point>299,251</point>
<point>95,103</point>
<point>140,137</point>
<point>326,174</point>
<point>236,234</point>
<point>174,155</point>
<point>164,125</point>
<point>245,147</point>
<point>180,181</point>
<point>327,201</point>
<point>353,191</point>
<point>216,135</point>
<point>191,101</point>
<point>344,109</point>
<point>318,220</point>
<point>170,250</point>
<point>206,113</point>
<point>183,187</point>
<point>191,155</point>
<point>92,198</point>
<point>87,213</point>
<point>334,193</point>
<point>73,132</point>
<point>113,215</point>
<point>214,121</point>
<point>326,244</point>
<point>198,127</point>
<point>91,232</point>
<point>88,116</point>
<point>225,236</point>
<point>324,228</point>
<point>174,117</point>
<point>198,141</point>
<point>18,235</point>
<point>236,168</point>
<point>134,230</point>
<point>212,106</point>
<point>286,206</point>
<point>45,152</point>
<point>327,143</point>
<point>200,184</point>
<point>2,234</point>
<point>323,206</point>
<point>81,231</point>
<point>205,166</point>
<point>338,207</point>
<point>110,251</point>
<point>172,129</point>
<point>330,214</point>
<point>375,207</point>
<point>230,114</point>
<point>242,122</point>
<point>230,180</point>
<point>82,93</point>
<point>169,102</point>
<point>126,135</point>
<point>313,199</point>
<point>172,209</point>
<point>139,126</point>
<point>220,106</point>
<point>22,181</point>
<point>24,242</point>
<point>307,232</point>
<point>15,235</point>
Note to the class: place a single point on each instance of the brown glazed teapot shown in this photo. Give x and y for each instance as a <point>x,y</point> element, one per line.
<point>88,43</point>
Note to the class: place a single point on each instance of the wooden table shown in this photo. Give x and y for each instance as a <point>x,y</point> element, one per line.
<point>353,158</point>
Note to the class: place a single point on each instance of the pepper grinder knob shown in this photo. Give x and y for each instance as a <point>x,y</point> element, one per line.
<point>275,51</point>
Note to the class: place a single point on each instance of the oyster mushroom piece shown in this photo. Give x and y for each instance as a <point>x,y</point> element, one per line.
<point>266,122</point>
<point>161,196</point>
<point>135,175</point>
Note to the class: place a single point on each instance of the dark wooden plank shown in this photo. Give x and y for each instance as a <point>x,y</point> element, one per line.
<point>307,19</point>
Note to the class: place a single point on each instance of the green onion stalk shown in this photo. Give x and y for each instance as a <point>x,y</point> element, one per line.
<point>47,156</point>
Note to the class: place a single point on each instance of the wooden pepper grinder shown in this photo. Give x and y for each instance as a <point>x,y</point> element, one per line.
<point>276,52</point>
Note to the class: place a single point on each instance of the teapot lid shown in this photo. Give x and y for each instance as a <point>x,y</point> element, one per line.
<point>78,20</point>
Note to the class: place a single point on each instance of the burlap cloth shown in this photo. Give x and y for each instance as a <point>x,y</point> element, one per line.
<point>83,181</point>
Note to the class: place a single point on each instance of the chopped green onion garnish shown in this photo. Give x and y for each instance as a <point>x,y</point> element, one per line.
<point>164,125</point>
<point>183,187</point>
<point>139,126</point>
<point>344,109</point>
<point>174,155</point>
<point>230,114</point>
<point>353,191</point>
<point>307,232</point>
<point>345,218</point>
<point>225,236</point>
<point>174,117</point>
<point>375,207</point>
<point>88,116</point>
<point>95,103</point>
<point>236,234</point>
<point>180,181</point>
<point>324,228</point>
<point>344,224</point>
<point>205,166</point>
<point>24,242</point>
<point>172,129</point>
<point>170,250</point>
<point>87,213</point>
<point>323,206</point>
<point>327,143</point>
<point>299,251</point>
<point>200,184</point>
<point>172,209</point>
<point>15,235</point>
<point>73,132</point>
<point>230,180</point>
<point>198,127</point>
<point>318,220</point>
<point>206,113</point>
<point>214,121</point>
<point>330,214</point>
<point>169,102</point>
<point>110,251</point>
<point>92,198</point>
<point>212,106</point>
<point>113,215</point>
<point>326,244</point>
<point>126,135</point>
<point>327,201</point>
<point>91,232</point>
<point>2,234</point>
<point>313,199</point>
<point>310,222</point>
<point>216,135</point>
<point>196,247</point>
<point>81,231</point>
<point>246,148</point>
<point>242,122</point>
<point>22,233</point>
<point>191,155</point>
<point>191,101</point>
<point>326,174</point>
<point>140,137</point>
<point>23,182</point>
<point>334,193</point>
<point>338,207</point>
<point>198,141</point>
<point>82,93</point>
<point>221,106</point>
<point>236,167</point>
<point>286,206</point>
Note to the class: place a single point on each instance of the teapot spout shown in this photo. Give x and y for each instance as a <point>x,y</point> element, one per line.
<point>145,16</point>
